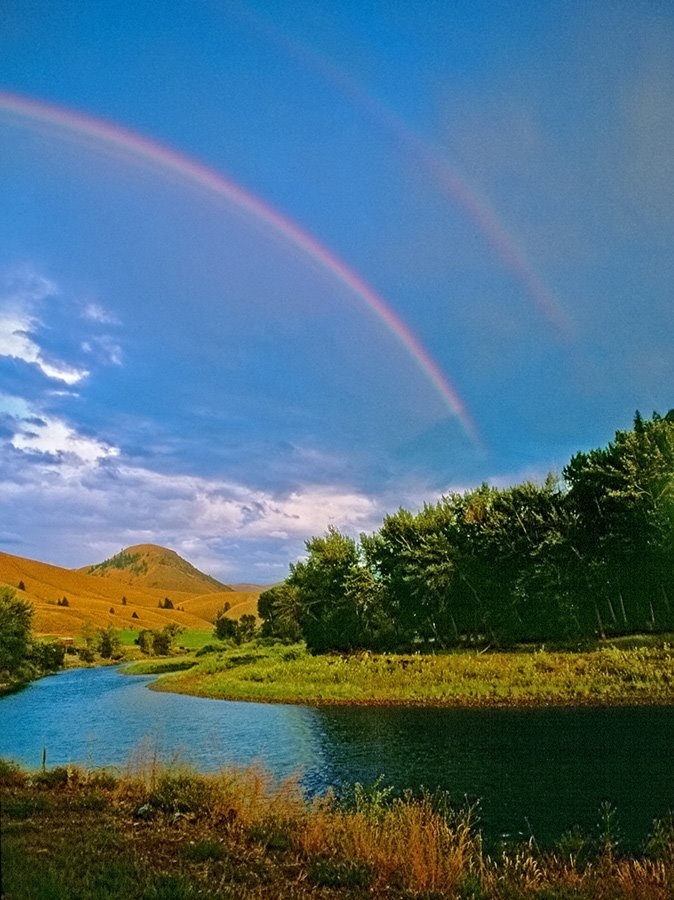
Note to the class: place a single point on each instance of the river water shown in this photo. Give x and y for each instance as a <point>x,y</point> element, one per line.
<point>536,771</point>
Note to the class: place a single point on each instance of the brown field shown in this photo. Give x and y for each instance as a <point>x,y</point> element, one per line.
<point>98,600</point>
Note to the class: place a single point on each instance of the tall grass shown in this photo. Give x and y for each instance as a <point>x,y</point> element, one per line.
<point>237,833</point>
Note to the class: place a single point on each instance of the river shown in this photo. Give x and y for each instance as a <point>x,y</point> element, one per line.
<point>536,771</point>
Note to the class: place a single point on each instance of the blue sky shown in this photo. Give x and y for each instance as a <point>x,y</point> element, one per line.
<point>268,267</point>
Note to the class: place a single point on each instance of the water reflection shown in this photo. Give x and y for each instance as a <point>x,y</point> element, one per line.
<point>537,771</point>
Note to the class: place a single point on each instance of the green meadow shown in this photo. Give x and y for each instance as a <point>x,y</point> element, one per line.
<point>281,673</point>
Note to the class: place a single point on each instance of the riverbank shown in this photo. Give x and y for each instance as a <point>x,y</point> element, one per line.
<point>160,833</point>
<point>282,674</point>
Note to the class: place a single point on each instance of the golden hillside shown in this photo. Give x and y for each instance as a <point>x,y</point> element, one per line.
<point>207,606</point>
<point>148,565</point>
<point>113,601</point>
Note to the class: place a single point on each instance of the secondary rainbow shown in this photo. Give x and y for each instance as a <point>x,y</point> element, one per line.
<point>134,145</point>
<point>433,161</point>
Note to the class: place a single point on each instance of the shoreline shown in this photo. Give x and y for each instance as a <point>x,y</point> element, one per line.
<point>498,703</point>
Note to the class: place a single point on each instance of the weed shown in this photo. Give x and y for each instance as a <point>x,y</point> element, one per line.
<point>24,807</point>
<point>271,835</point>
<point>11,774</point>
<point>169,887</point>
<point>243,836</point>
<point>340,873</point>
<point>203,851</point>
<point>59,776</point>
<point>660,843</point>
<point>180,792</point>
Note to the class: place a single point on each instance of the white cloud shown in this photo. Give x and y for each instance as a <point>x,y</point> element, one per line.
<point>105,349</point>
<point>37,433</point>
<point>89,501</point>
<point>94,312</point>
<point>52,436</point>
<point>21,294</point>
<point>16,342</point>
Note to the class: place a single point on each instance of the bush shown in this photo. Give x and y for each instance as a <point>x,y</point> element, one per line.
<point>10,774</point>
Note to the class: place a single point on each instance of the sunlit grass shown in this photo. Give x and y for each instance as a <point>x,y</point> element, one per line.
<point>166,831</point>
<point>605,676</point>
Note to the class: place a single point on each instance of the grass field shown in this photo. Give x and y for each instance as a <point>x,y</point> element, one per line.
<point>190,638</point>
<point>170,834</point>
<point>289,674</point>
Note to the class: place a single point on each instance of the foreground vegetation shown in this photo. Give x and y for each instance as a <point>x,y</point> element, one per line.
<point>280,673</point>
<point>170,833</point>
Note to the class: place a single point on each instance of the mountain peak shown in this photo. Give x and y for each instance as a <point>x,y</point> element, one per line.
<point>157,567</point>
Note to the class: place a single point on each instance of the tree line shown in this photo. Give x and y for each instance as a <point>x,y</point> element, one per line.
<point>587,555</point>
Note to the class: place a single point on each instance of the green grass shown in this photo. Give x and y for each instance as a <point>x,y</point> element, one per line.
<point>172,833</point>
<point>195,640</point>
<point>289,674</point>
<point>190,639</point>
<point>160,665</point>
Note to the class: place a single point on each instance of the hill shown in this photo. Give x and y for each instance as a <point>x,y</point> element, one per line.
<point>64,599</point>
<point>148,565</point>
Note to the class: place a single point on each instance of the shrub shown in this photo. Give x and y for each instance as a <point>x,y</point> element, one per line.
<point>10,774</point>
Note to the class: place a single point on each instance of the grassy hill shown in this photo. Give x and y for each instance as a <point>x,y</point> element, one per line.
<point>148,565</point>
<point>125,593</point>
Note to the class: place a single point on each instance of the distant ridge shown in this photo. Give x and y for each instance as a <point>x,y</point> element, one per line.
<point>151,566</point>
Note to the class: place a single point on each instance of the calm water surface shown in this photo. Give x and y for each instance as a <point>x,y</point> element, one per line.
<point>538,771</point>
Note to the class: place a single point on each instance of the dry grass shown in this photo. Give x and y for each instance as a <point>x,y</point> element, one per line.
<point>168,832</point>
<point>98,600</point>
<point>207,606</point>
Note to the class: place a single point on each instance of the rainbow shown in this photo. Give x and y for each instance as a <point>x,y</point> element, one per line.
<point>431,158</point>
<point>140,148</point>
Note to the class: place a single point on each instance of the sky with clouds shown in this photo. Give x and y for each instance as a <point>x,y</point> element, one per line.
<point>269,267</point>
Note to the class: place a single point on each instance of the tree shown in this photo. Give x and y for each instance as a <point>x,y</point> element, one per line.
<point>16,616</point>
<point>328,614</point>
<point>165,639</point>
<point>225,628</point>
<point>48,656</point>
<point>278,607</point>
<point>246,626</point>
<point>622,497</point>
<point>109,643</point>
<point>145,641</point>
<point>91,640</point>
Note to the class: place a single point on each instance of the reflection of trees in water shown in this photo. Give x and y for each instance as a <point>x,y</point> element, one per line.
<point>533,770</point>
